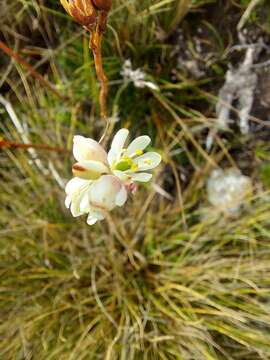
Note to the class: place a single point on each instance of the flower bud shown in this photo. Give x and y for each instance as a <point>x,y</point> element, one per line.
<point>83,12</point>
<point>102,4</point>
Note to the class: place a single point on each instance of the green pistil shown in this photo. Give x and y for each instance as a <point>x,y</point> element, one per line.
<point>123,165</point>
<point>126,163</point>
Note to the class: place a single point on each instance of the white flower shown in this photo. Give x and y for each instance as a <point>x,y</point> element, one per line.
<point>136,76</point>
<point>228,190</point>
<point>130,164</point>
<point>101,180</point>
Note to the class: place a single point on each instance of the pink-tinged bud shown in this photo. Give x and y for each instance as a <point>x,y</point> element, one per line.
<point>132,187</point>
<point>83,12</point>
<point>103,4</point>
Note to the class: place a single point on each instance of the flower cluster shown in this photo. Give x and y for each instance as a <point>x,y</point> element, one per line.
<point>102,180</point>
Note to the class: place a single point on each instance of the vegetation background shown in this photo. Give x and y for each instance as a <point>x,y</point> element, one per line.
<point>167,277</point>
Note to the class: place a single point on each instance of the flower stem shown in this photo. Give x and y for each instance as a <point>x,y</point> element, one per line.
<point>96,48</point>
<point>95,45</point>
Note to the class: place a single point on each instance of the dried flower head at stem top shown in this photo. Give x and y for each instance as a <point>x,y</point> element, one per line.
<point>86,12</point>
<point>92,15</point>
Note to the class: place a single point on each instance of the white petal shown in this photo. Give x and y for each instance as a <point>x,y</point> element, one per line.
<point>98,214</point>
<point>147,161</point>
<point>85,203</point>
<point>91,220</point>
<point>94,216</point>
<point>88,149</point>
<point>67,202</point>
<point>121,197</point>
<point>121,175</point>
<point>75,208</point>
<point>74,184</point>
<point>94,165</point>
<point>103,192</point>
<point>89,169</point>
<point>140,143</point>
<point>117,145</point>
<point>76,189</point>
<point>142,177</point>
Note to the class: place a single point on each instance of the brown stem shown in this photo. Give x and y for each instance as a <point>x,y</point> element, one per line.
<point>12,144</point>
<point>95,46</point>
<point>28,67</point>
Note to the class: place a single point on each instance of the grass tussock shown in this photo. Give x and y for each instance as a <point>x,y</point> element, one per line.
<point>166,277</point>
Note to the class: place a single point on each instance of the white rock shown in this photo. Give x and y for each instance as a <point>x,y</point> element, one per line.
<point>228,190</point>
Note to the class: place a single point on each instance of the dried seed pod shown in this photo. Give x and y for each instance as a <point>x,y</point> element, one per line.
<point>83,12</point>
<point>102,4</point>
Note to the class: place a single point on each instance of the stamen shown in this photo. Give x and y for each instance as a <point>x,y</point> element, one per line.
<point>139,152</point>
<point>126,159</point>
<point>134,167</point>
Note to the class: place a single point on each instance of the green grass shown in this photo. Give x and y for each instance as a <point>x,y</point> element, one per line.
<point>160,279</point>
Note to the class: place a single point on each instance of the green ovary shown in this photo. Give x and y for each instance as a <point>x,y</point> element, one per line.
<point>123,165</point>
